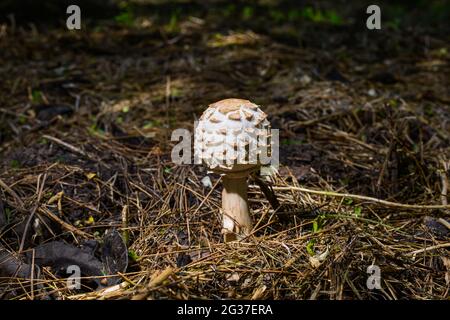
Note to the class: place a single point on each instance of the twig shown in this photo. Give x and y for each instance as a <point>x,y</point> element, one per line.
<point>206,198</point>
<point>66,145</point>
<point>125,232</point>
<point>365,198</point>
<point>442,245</point>
<point>385,163</point>
<point>65,225</point>
<point>39,189</point>
<point>268,193</point>
<point>32,275</point>
<point>157,278</point>
<point>74,149</point>
<point>444,222</point>
<point>13,193</point>
<point>444,181</point>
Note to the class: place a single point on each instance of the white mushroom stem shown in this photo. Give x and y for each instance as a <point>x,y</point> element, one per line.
<point>236,218</point>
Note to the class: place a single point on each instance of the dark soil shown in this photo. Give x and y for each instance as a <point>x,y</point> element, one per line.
<point>85,124</point>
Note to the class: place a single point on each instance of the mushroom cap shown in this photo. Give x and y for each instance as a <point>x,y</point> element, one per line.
<point>230,135</point>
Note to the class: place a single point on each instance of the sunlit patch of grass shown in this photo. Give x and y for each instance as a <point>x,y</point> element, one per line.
<point>246,38</point>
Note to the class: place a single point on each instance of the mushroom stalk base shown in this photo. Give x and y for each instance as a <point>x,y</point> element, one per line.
<point>236,218</point>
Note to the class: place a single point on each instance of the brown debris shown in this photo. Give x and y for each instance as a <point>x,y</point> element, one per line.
<point>341,134</point>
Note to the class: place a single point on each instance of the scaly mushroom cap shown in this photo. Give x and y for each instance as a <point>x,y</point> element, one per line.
<point>230,136</point>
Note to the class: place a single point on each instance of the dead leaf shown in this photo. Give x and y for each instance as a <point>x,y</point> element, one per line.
<point>234,277</point>
<point>90,175</point>
<point>56,197</point>
<point>258,293</point>
<point>317,260</point>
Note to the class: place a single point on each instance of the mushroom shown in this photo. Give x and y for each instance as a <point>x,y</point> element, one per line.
<point>229,139</point>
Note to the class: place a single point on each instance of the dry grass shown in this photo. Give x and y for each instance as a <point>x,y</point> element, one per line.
<point>110,158</point>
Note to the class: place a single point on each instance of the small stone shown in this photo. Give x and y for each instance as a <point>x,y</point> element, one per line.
<point>206,181</point>
<point>305,79</point>
<point>234,277</point>
<point>372,93</point>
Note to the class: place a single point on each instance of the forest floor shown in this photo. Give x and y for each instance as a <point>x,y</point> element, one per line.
<point>86,176</point>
